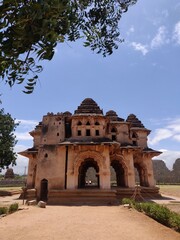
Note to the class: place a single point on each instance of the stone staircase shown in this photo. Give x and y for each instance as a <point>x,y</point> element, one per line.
<point>83,197</point>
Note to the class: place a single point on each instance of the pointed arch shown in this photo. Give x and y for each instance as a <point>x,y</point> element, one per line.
<point>120,170</point>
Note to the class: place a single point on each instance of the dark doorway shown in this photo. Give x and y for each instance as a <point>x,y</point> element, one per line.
<point>44,190</point>
<point>88,174</point>
<point>140,175</point>
<point>117,174</point>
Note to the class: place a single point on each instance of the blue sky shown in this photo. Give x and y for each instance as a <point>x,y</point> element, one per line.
<point>141,77</point>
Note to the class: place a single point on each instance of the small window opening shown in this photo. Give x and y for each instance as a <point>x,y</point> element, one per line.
<point>88,123</point>
<point>88,133</point>
<point>57,134</point>
<point>46,155</point>
<point>97,132</point>
<point>79,132</point>
<point>113,130</point>
<point>114,137</point>
<point>79,123</point>
<point>134,135</point>
<point>134,143</point>
<point>97,123</point>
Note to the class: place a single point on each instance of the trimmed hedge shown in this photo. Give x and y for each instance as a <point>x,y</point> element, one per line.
<point>3,210</point>
<point>7,210</point>
<point>13,207</point>
<point>158,212</point>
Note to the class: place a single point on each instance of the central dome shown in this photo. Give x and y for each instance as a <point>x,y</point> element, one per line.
<point>88,106</point>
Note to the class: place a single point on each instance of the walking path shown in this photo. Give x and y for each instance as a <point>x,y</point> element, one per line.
<point>81,223</point>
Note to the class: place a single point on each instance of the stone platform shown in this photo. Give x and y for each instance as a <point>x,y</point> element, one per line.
<point>82,197</point>
<point>100,196</point>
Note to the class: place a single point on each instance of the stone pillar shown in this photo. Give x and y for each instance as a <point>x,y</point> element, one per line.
<point>105,175</point>
<point>30,175</point>
<point>130,175</point>
<point>105,178</point>
<point>70,173</point>
<point>150,174</point>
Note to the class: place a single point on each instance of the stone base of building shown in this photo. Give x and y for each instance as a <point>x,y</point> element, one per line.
<point>83,197</point>
<point>96,196</point>
<point>138,193</point>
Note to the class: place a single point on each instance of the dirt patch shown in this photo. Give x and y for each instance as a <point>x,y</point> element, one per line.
<point>83,222</point>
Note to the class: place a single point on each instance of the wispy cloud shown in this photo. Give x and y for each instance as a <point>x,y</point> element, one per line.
<point>160,134</point>
<point>176,33</point>
<point>23,136</point>
<point>160,38</point>
<point>170,130</point>
<point>25,126</point>
<point>130,30</point>
<point>27,122</point>
<point>140,47</point>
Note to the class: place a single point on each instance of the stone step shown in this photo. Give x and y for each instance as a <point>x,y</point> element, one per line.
<point>82,197</point>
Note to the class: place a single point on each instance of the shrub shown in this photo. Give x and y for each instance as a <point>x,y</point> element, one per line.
<point>174,221</point>
<point>3,210</point>
<point>158,212</point>
<point>137,206</point>
<point>128,201</point>
<point>13,207</point>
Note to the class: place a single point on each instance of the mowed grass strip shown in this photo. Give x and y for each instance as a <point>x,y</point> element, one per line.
<point>171,190</point>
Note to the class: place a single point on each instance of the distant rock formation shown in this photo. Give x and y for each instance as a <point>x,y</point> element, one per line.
<point>176,171</point>
<point>163,175</point>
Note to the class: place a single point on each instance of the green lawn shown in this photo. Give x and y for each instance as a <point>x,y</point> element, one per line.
<point>10,188</point>
<point>172,190</point>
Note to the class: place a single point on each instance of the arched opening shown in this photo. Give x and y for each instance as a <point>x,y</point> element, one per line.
<point>79,123</point>
<point>140,175</point>
<point>117,174</point>
<point>88,174</point>
<point>113,134</point>
<point>44,190</point>
<point>134,139</point>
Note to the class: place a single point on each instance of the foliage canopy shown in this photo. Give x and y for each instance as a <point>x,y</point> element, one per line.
<point>31,29</point>
<point>7,139</point>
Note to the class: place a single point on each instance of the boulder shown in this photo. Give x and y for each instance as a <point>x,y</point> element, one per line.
<point>41,204</point>
<point>31,202</point>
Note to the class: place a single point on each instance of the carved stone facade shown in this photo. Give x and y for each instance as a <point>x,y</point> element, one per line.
<point>72,152</point>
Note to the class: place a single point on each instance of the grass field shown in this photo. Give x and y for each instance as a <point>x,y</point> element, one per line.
<point>171,190</point>
<point>9,189</point>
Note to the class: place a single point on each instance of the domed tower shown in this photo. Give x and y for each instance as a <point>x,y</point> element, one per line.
<point>138,133</point>
<point>88,106</point>
<point>88,121</point>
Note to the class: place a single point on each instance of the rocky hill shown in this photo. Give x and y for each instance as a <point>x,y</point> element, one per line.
<point>163,175</point>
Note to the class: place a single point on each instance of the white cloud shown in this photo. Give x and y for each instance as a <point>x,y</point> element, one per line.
<point>160,134</point>
<point>25,136</point>
<point>160,38</point>
<point>170,130</point>
<point>131,30</point>
<point>176,33</point>
<point>25,126</point>
<point>140,47</point>
<point>177,137</point>
<point>27,122</point>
